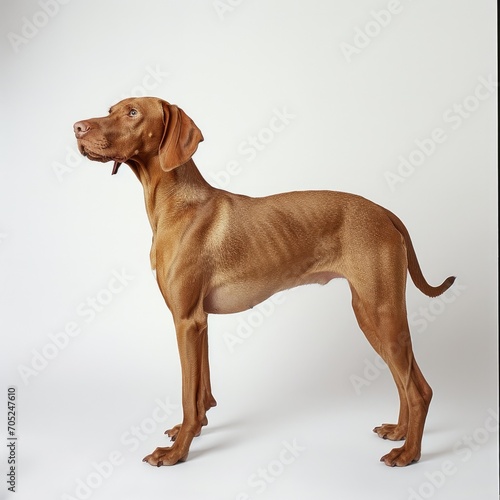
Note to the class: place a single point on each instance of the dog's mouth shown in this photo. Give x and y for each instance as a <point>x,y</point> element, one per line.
<point>93,156</point>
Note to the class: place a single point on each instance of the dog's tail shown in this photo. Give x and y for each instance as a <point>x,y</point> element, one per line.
<point>414,266</point>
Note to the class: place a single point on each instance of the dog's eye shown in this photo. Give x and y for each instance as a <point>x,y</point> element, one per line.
<point>132,112</point>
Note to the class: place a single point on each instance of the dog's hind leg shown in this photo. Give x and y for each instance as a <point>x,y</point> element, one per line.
<point>386,328</point>
<point>394,432</point>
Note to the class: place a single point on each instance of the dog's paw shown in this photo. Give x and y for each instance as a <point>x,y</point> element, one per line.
<point>165,456</point>
<point>401,457</point>
<point>173,432</point>
<point>392,432</point>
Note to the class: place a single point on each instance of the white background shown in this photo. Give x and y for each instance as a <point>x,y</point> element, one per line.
<point>301,372</point>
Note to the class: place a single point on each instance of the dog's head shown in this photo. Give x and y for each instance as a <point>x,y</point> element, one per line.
<point>138,129</point>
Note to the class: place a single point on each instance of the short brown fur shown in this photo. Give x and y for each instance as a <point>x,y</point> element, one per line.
<point>219,252</point>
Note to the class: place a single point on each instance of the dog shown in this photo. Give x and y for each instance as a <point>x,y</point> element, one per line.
<point>215,252</point>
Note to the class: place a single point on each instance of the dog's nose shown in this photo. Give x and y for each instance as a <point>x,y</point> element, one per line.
<point>81,128</point>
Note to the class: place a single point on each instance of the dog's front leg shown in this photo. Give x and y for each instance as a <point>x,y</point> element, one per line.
<point>191,339</point>
<point>205,398</point>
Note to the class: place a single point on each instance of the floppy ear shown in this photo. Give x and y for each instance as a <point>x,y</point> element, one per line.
<point>180,137</point>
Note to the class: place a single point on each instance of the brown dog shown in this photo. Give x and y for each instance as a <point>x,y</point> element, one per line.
<point>219,252</point>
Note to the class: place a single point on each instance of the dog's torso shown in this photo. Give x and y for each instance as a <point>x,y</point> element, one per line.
<point>241,250</point>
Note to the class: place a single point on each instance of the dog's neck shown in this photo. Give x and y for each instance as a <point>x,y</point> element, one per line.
<point>168,195</point>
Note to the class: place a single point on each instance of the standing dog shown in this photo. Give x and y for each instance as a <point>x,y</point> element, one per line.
<point>219,252</point>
